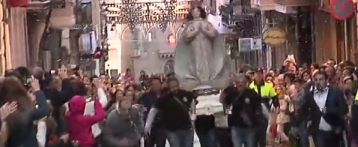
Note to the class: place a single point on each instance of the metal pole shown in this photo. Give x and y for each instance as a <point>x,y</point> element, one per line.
<point>313,40</point>
<point>263,27</point>
<point>346,56</point>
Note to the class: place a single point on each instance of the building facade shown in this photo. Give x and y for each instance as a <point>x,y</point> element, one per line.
<point>24,26</point>
<point>312,33</point>
<point>148,47</point>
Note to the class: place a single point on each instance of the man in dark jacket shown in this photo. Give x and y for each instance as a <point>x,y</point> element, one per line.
<point>324,108</point>
<point>246,112</point>
<point>157,136</point>
<point>57,97</point>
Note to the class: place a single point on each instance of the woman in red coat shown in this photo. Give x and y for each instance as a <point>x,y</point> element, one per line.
<point>79,125</point>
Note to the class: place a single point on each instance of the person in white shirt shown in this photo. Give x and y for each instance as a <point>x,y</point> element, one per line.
<point>89,110</point>
<point>324,108</point>
<point>41,132</point>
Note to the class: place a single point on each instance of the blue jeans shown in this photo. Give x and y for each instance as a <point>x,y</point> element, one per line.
<point>180,138</point>
<point>303,135</point>
<point>206,138</point>
<point>243,137</point>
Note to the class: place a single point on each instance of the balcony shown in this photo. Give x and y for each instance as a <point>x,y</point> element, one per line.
<point>83,17</point>
<point>136,53</point>
<point>63,17</point>
<point>263,5</point>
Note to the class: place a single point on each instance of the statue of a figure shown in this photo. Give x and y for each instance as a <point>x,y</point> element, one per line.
<point>201,60</point>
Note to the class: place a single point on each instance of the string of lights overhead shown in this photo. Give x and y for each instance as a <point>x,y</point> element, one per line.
<point>132,13</point>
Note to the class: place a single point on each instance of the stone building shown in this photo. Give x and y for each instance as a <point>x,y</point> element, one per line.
<point>313,34</point>
<point>24,28</point>
<point>148,47</point>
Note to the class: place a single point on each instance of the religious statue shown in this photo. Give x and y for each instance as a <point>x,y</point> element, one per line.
<point>201,60</point>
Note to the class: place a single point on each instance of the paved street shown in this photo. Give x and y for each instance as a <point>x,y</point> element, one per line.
<point>196,142</point>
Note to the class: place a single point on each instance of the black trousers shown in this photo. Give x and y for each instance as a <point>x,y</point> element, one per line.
<point>156,138</point>
<point>326,139</point>
<point>223,136</point>
<point>261,134</point>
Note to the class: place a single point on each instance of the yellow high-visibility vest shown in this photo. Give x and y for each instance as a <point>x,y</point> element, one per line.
<point>267,90</point>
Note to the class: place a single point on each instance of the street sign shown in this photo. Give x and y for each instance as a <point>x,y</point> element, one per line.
<point>274,36</point>
<point>256,44</point>
<point>342,9</point>
<point>245,44</point>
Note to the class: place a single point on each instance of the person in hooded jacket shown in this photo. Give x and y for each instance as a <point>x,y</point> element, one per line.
<point>80,125</point>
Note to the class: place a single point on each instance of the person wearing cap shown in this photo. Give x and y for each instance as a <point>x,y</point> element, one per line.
<point>269,97</point>
<point>265,89</point>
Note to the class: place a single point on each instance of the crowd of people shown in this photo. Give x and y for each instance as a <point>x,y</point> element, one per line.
<point>302,105</point>
<point>294,106</point>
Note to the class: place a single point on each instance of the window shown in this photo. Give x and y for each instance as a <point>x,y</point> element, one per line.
<point>84,16</point>
<point>152,33</point>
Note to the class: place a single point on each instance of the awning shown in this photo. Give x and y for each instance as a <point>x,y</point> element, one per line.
<point>285,9</point>
<point>263,5</point>
<point>295,3</point>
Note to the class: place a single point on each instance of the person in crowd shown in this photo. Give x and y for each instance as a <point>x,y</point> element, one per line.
<point>205,130</point>
<point>222,130</point>
<point>25,92</point>
<point>50,124</point>
<point>97,91</point>
<point>269,98</point>
<point>283,119</point>
<point>314,68</point>
<point>272,72</point>
<point>296,101</point>
<point>176,108</point>
<point>123,126</point>
<point>325,109</point>
<point>306,76</point>
<point>5,110</point>
<point>288,78</point>
<point>269,79</point>
<point>331,62</point>
<point>331,73</point>
<point>245,106</point>
<point>41,132</point>
<point>157,135</point>
<point>134,90</point>
<point>80,125</point>
<point>128,76</point>
<point>114,98</point>
<point>58,94</point>
<point>144,79</point>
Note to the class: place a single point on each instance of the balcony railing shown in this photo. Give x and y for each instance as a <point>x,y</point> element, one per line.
<point>83,14</point>
<point>136,53</point>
